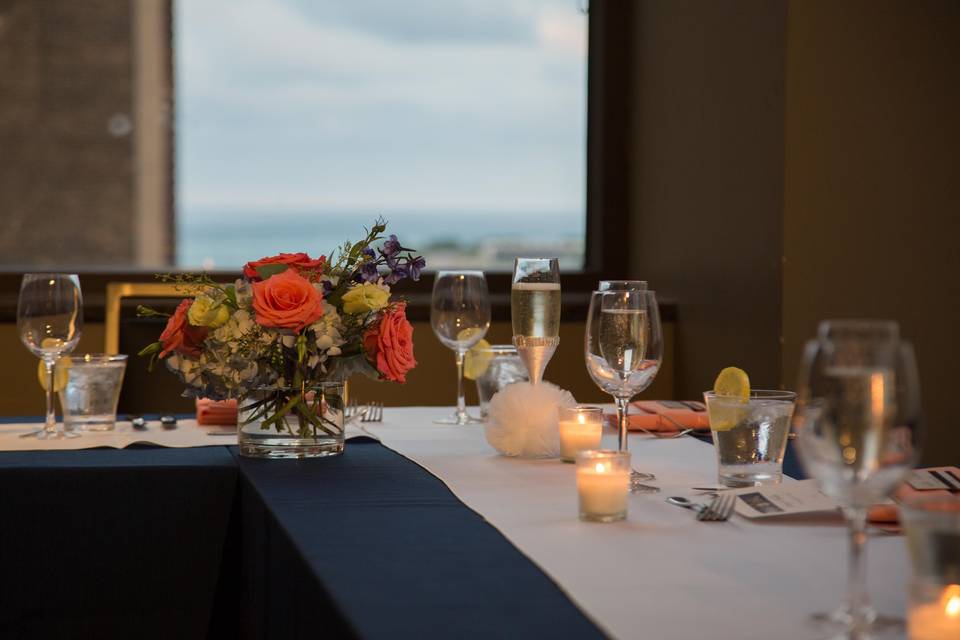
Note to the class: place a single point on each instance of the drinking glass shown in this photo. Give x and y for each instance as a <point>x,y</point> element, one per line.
<point>50,320</point>
<point>857,420</point>
<point>504,367</point>
<point>460,317</point>
<point>623,348</point>
<point>535,312</point>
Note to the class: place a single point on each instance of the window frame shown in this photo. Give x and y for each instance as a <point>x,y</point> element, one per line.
<point>608,228</point>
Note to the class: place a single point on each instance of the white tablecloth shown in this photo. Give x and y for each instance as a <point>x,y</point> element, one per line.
<point>660,574</point>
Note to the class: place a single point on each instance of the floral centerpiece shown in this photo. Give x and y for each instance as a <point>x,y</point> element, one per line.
<point>287,332</point>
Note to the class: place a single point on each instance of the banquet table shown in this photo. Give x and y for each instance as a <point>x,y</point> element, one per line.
<point>426,533</point>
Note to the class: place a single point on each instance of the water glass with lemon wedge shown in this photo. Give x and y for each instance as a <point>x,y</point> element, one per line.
<point>750,429</point>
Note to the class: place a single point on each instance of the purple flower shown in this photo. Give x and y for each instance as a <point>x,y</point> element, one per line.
<point>415,266</point>
<point>396,275</point>
<point>391,247</point>
<point>370,253</point>
<point>368,272</point>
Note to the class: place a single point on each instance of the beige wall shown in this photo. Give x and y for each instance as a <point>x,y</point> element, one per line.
<point>824,134</point>
<point>433,382</point>
<point>708,166</point>
<point>872,204</point>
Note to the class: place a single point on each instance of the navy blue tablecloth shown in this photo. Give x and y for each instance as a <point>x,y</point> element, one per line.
<point>115,544</point>
<point>194,543</point>
<point>374,537</point>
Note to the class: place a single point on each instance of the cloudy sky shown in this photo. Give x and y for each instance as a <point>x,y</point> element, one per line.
<point>426,105</point>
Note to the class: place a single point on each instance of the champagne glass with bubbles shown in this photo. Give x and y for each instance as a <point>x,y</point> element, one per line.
<point>535,312</point>
<point>857,420</point>
<point>623,347</point>
<point>49,321</point>
<point>460,317</point>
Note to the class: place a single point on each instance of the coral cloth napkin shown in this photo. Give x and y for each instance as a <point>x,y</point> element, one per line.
<point>890,513</point>
<point>666,416</point>
<point>216,412</point>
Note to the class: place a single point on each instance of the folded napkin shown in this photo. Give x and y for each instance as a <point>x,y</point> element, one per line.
<point>216,412</point>
<point>666,416</point>
<point>890,513</point>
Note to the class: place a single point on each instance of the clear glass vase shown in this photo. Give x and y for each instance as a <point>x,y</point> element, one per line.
<point>292,422</point>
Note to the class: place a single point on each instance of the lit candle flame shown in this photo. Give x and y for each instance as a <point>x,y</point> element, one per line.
<point>582,419</point>
<point>601,468</point>
<point>951,596</point>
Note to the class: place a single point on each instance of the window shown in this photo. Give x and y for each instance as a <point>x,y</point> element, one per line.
<point>462,123</point>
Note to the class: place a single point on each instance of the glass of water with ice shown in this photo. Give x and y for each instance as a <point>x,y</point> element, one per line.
<point>90,396</point>
<point>504,368</point>
<point>750,436</point>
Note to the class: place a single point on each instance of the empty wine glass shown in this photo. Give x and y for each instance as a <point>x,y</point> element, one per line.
<point>535,312</point>
<point>623,348</point>
<point>460,317</point>
<point>50,320</point>
<point>857,420</point>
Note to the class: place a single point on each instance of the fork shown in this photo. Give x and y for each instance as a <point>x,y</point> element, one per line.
<point>720,508</point>
<point>374,413</point>
<point>668,434</point>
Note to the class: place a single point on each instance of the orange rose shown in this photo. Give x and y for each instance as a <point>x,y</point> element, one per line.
<point>181,336</point>
<point>286,301</point>
<point>390,345</point>
<point>300,261</point>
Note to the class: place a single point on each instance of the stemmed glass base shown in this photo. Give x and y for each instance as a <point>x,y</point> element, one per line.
<point>459,418</point>
<point>841,625</point>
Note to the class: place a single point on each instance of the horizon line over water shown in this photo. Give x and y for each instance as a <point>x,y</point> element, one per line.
<point>227,238</point>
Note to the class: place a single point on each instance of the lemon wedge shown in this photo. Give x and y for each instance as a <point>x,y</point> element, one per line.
<point>476,360</point>
<point>732,392</point>
<point>60,374</point>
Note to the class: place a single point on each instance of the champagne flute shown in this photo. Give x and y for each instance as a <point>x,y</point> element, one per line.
<point>460,317</point>
<point>623,348</point>
<point>535,312</point>
<point>857,421</point>
<point>50,320</point>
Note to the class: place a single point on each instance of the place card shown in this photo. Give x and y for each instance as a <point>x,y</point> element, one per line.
<point>935,478</point>
<point>782,500</point>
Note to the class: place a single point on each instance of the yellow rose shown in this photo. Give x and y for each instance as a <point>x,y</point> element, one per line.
<point>204,312</point>
<point>365,297</point>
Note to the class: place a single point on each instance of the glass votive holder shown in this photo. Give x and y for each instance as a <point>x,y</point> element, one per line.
<point>603,484</point>
<point>932,527</point>
<point>933,610</point>
<point>581,427</point>
<point>502,367</point>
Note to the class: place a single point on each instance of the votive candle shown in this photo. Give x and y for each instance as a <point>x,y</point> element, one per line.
<point>580,430</point>
<point>934,611</point>
<point>603,484</point>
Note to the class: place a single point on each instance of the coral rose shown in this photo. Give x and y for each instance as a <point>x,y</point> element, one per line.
<point>181,336</point>
<point>390,345</point>
<point>300,261</point>
<point>286,301</point>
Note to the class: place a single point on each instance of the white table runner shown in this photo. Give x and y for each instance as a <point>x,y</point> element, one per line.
<point>187,434</point>
<point>660,574</point>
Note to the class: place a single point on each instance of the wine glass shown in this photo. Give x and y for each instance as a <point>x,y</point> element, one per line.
<point>50,320</point>
<point>623,347</point>
<point>622,285</point>
<point>460,317</point>
<point>857,420</point>
<point>535,312</point>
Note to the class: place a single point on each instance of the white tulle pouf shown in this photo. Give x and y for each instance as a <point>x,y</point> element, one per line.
<point>522,420</point>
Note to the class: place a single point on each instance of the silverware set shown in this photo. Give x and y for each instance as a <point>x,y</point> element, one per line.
<point>717,510</point>
<point>366,412</point>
